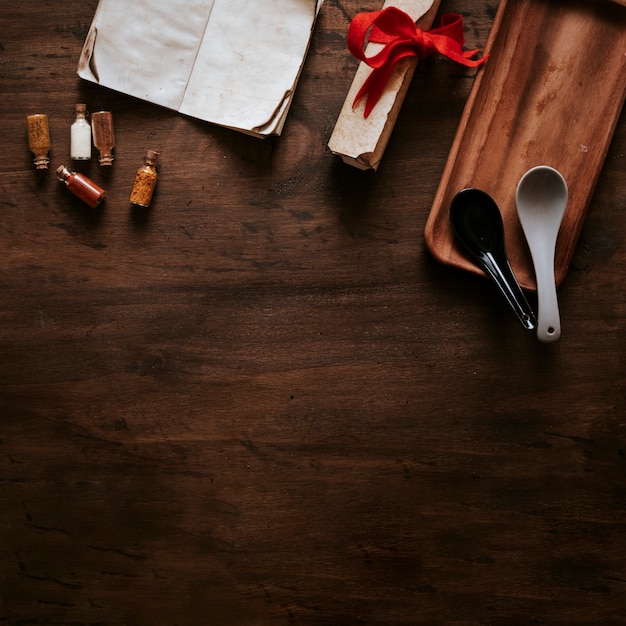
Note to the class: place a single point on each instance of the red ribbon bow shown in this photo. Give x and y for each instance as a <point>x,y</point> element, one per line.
<point>402,38</point>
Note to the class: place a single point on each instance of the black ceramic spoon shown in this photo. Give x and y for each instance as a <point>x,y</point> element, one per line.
<point>477,224</point>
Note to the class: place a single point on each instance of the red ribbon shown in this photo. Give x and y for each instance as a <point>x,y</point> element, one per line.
<point>402,38</point>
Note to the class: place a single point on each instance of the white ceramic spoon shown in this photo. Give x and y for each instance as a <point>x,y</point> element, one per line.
<point>541,199</point>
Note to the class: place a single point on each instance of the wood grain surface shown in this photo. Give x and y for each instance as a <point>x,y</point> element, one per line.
<point>262,401</point>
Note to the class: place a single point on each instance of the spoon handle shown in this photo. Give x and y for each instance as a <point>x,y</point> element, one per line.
<point>502,274</point>
<point>548,317</point>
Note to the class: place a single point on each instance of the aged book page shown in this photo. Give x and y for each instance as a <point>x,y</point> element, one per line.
<point>231,62</point>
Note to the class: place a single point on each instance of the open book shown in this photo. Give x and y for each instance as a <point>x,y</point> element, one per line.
<point>234,63</point>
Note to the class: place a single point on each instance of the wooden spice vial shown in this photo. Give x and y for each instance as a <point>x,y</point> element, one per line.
<point>145,181</point>
<point>81,186</point>
<point>39,139</point>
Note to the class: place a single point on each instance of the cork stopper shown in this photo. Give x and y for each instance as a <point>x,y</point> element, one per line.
<point>41,162</point>
<point>152,155</point>
<point>63,173</point>
<point>80,109</point>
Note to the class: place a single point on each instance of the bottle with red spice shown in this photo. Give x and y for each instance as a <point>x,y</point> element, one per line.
<point>81,186</point>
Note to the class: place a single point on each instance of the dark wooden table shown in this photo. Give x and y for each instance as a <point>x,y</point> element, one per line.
<point>262,402</point>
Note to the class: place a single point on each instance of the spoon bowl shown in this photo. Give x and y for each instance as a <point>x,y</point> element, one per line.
<point>541,199</point>
<point>477,223</point>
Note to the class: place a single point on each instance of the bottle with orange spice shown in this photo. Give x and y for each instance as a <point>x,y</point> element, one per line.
<point>145,181</point>
<point>39,139</point>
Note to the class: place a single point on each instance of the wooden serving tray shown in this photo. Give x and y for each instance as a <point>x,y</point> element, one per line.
<point>550,94</point>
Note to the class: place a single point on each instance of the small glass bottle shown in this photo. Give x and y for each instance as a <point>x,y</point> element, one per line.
<point>145,180</point>
<point>80,135</point>
<point>81,186</point>
<point>103,135</point>
<point>39,139</point>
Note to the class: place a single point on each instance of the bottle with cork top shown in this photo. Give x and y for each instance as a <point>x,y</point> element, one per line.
<point>81,186</point>
<point>39,139</point>
<point>80,135</point>
<point>145,181</point>
<point>103,135</point>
